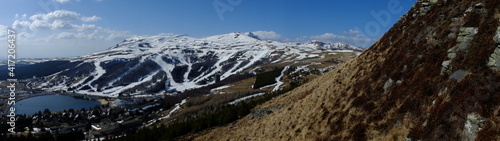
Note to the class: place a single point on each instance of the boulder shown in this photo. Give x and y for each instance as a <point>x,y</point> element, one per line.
<point>494,62</point>
<point>497,37</point>
<point>458,75</point>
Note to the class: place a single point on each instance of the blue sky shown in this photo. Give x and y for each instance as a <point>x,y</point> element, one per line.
<point>68,28</point>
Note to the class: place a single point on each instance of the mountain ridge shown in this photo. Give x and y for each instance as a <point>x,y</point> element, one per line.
<point>167,64</point>
<point>427,78</point>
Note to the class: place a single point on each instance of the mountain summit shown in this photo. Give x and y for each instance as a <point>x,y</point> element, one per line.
<point>433,76</point>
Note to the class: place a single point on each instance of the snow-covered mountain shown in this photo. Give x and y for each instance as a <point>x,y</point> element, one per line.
<point>166,64</point>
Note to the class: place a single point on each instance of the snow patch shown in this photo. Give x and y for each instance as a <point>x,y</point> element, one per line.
<point>176,108</point>
<point>245,98</point>
<point>278,79</point>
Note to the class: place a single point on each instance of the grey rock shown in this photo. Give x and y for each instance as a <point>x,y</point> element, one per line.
<point>463,46</point>
<point>451,53</point>
<point>465,37</point>
<point>458,75</point>
<point>497,37</point>
<point>399,82</point>
<point>388,85</point>
<point>468,31</point>
<point>262,112</point>
<point>452,36</point>
<point>472,125</point>
<point>446,66</point>
<point>494,61</point>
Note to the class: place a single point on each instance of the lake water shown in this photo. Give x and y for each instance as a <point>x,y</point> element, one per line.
<point>55,103</point>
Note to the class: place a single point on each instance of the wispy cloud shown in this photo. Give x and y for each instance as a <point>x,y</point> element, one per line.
<point>61,1</point>
<point>270,35</point>
<point>3,31</point>
<point>351,32</point>
<point>101,34</point>
<point>355,39</point>
<point>21,24</point>
<point>90,19</point>
<point>66,1</point>
<point>21,16</point>
<point>85,27</point>
<point>330,37</point>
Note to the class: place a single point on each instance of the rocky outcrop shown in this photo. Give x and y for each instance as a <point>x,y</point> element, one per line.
<point>494,62</point>
<point>464,39</point>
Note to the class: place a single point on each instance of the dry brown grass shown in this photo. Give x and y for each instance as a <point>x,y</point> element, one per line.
<point>497,14</point>
<point>244,86</point>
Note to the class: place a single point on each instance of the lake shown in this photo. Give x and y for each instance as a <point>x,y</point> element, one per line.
<point>55,103</point>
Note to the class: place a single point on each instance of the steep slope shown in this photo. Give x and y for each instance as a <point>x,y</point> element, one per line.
<point>433,76</point>
<point>165,64</point>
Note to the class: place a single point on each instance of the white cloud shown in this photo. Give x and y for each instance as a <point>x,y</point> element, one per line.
<point>17,16</point>
<point>23,35</point>
<point>329,37</point>
<point>59,19</point>
<point>40,25</point>
<point>91,19</point>
<point>65,35</point>
<point>72,35</point>
<point>117,35</point>
<point>352,32</point>
<point>64,25</point>
<point>62,15</point>
<point>61,1</point>
<point>61,33</point>
<point>270,35</point>
<point>36,17</point>
<point>58,24</point>
<point>20,24</point>
<point>84,27</point>
<point>98,34</point>
<point>3,31</point>
<point>65,1</point>
<point>267,35</point>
